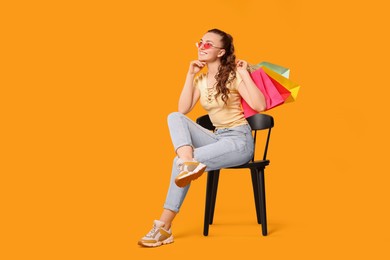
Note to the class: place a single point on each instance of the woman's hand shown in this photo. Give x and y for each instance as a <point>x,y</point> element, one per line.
<point>196,66</point>
<point>242,66</point>
<point>248,89</point>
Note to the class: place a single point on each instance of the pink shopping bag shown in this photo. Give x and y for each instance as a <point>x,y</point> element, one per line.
<point>274,93</point>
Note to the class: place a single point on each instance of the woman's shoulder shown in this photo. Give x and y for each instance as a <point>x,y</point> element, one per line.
<point>234,79</point>
<point>199,78</point>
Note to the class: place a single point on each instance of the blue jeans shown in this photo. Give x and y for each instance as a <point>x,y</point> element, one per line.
<point>226,147</point>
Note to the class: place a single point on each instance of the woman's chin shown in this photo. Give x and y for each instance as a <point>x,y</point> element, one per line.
<point>202,58</point>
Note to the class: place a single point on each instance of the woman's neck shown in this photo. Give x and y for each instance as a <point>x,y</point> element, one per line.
<point>212,67</point>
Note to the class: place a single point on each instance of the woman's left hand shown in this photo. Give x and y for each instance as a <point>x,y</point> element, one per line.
<point>242,66</point>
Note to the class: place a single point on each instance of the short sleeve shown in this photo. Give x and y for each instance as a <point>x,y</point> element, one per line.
<point>197,80</point>
<point>236,82</point>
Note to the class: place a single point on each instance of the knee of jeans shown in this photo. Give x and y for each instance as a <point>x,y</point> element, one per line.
<point>174,115</point>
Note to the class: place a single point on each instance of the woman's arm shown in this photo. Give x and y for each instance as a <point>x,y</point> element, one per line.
<point>248,89</point>
<point>190,95</point>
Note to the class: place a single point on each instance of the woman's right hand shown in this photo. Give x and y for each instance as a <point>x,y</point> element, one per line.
<point>196,66</point>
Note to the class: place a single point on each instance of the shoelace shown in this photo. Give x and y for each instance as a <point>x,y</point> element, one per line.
<point>152,232</point>
<point>181,166</point>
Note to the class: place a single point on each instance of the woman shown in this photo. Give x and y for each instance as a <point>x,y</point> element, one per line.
<point>219,91</point>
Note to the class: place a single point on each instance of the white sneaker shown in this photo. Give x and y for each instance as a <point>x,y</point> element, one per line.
<point>189,172</point>
<point>157,236</point>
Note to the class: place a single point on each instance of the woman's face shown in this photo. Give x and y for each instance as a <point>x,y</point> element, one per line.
<point>210,47</point>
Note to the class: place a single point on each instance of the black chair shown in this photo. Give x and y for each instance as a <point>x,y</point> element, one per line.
<point>257,122</point>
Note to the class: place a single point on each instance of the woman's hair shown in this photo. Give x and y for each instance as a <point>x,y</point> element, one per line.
<point>227,67</point>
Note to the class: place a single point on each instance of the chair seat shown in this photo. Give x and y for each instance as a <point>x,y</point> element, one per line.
<point>252,165</point>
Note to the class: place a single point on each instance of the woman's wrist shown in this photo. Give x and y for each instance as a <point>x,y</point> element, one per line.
<point>244,73</point>
<point>190,74</point>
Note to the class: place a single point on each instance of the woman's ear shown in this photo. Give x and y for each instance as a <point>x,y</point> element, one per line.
<point>221,53</point>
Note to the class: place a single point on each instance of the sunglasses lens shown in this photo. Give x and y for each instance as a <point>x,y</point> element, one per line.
<point>207,45</point>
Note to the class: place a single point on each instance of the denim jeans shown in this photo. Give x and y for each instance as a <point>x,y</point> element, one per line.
<point>226,147</point>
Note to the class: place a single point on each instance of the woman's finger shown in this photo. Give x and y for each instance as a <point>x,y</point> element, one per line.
<point>200,64</point>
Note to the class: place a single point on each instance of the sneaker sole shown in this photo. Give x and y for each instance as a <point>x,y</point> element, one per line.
<point>159,243</point>
<point>185,179</point>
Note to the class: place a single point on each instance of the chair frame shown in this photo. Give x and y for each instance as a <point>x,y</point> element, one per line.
<point>257,167</point>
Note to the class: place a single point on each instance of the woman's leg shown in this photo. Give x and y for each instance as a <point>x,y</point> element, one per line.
<point>185,153</point>
<point>226,149</point>
<point>167,217</point>
<point>234,147</point>
<point>229,147</point>
<point>185,135</point>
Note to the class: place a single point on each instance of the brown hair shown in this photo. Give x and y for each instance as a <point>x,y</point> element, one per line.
<point>227,67</point>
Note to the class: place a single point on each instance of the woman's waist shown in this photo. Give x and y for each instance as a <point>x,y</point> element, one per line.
<point>243,128</point>
<point>227,122</point>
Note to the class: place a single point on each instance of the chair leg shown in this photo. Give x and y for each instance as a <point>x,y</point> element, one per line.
<point>214,195</point>
<point>209,187</point>
<point>263,213</point>
<point>255,185</point>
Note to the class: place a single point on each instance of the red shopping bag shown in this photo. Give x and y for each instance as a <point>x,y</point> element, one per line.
<point>285,93</point>
<point>275,94</point>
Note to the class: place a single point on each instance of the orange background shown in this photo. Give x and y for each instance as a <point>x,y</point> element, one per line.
<point>86,87</point>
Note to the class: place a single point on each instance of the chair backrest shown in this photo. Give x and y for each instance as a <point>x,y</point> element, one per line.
<point>257,122</point>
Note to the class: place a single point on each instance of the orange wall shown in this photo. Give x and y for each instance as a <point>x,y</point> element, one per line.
<point>86,89</point>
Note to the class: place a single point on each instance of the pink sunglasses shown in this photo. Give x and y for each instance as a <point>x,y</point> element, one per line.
<point>206,45</point>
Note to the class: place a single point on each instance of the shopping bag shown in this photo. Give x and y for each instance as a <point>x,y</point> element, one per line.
<point>272,96</point>
<point>285,72</point>
<point>285,82</point>
<point>285,93</point>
